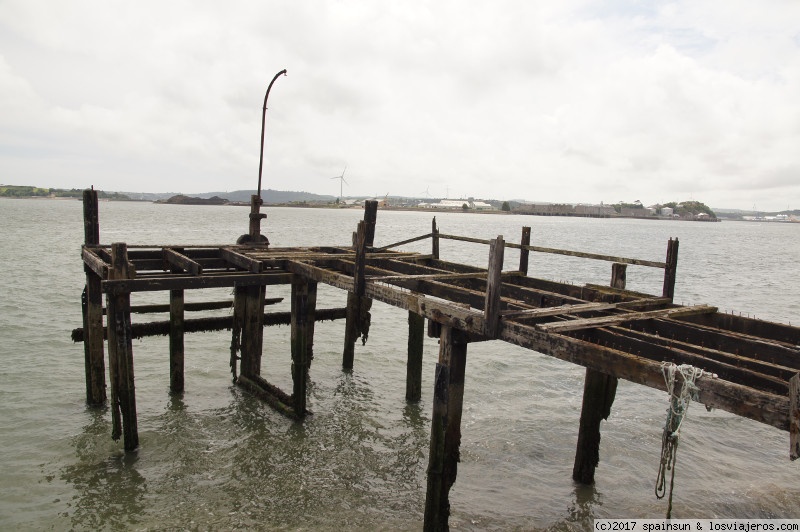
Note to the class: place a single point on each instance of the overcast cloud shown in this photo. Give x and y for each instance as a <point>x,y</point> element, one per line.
<point>572,101</point>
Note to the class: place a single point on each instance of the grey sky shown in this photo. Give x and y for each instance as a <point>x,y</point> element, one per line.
<point>573,101</point>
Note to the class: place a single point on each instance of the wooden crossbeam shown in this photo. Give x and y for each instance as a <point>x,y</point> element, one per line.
<point>95,263</point>
<point>618,319</point>
<point>240,260</point>
<point>181,261</point>
<point>558,311</point>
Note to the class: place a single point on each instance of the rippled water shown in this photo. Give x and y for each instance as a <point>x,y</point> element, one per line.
<point>215,458</point>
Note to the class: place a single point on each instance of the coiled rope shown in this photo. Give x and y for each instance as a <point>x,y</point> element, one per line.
<point>676,413</point>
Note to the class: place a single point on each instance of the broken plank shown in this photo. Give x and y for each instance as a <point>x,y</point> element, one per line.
<point>617,319</point>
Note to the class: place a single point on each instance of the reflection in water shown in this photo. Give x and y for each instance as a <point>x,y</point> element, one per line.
<point>111,491</point>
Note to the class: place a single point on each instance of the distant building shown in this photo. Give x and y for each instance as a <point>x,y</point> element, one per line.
<point>667,211</point>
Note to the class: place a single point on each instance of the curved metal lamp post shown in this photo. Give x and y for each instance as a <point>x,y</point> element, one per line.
<point>254,235</point>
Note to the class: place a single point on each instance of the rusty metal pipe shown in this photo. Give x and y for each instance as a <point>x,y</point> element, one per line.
<point>263,121</point>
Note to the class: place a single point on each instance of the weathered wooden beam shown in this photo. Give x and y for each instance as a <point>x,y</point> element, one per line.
<point>404,242</point>
<point>91,218</point>
<point>196,306</point>
<point>120,354</point>
<point>578,254</point>
<point>561,310</point>
<point>744,401</point>
<point>370,217</point>
<point>252,329</point>
<point>216,323</point>
<point>304,304</point>
<point>794,417</point>
<point>524,252</point>
<point>599,390</point>
<point>491,309</point>
<point>617,319</point>
<point>444,455</point>
<point>240,260</point>
<point>176,345</point>
<point>434,239</point>
<point>416,337</point>
<point>154,284</point>
<point>95,263</point>
<point>671,269</point>
<point>357,324</point>
<point>763,330</point>
<point>175,258</point>
<point>272,395</point>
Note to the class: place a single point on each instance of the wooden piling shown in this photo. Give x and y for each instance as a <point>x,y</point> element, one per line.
<point>176,346</point>
<point>448,398</point>
<point>358,306</point>
<point>434,239</point>
<point>794,417</point>
<point>249,301</point>
<point>304,303</point>
<point>523,252</point>
<point>493,283</point>
<point>120,353</point>
<point>416,337</point>
<point>671,270</point>
<point>599,391</point>
<point>93,309</point>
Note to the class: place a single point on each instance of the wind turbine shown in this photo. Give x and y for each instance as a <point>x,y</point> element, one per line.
<point>341,181</point>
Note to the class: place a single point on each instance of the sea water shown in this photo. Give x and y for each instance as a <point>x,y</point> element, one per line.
<point>215,458</point>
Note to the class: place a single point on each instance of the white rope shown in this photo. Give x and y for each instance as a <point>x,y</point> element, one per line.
<point>676,413</point>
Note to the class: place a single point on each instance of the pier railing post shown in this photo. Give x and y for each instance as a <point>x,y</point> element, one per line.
<point>524,253</point>
<point>599,391</point>
<point>448,399</point>
<point>670,272</point>
<point>434,239</point>
<point>304,303</point>
<point>93,348</point>
<point>493,284</point>
<point>120,353</point>
<point>416,337</point>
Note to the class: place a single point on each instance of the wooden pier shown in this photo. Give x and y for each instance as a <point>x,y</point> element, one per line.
<point>752,366</point>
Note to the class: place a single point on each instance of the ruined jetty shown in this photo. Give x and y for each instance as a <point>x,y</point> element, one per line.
<point>751,367</point>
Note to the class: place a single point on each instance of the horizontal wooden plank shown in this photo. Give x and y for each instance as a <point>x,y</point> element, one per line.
<point>95,263</point>
<point>193,283</point>
<point>618,319</point>
<point>579,254</point>
<point>240,260</point>
<point>182,261</point>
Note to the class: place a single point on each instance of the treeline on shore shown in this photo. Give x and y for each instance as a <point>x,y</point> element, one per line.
<point>21,191</point>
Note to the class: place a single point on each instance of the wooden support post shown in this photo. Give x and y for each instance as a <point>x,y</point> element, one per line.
<point>619,275</point>
<point>524,253</point>
<point>357,324</point>
<point>599,391</point>
<point>448,398</point>
<point>416,336</point>
<point>250,299</point>
<point>370,216</point>
<point>794,417</point>
<point>176,329</point>
<point>94,354</point>
<point>434,239</point>
<point>120,354</point>
<point>491,309</point>
<point>670,271</point>
<point>304,303</point>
